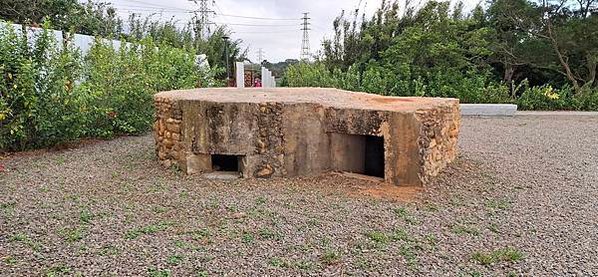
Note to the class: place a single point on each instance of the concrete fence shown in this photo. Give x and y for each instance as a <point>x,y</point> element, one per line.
<point>268,81</point>
<point>82,42</point>
<point>488,109</point>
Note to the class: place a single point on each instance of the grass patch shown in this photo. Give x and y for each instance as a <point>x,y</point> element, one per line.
<point>363,263</point>
<point>153,272</point>
<point>431,239</point>
<point>268,234</point>
<point>182,244</point>
<point>404,214</point>
<point>462,229</point>
<point>72,234</point>
<point>260,200</point>
<point>330,257</point>
<point>431,207</point>
<point>9,260</point>
<point>304,265</point>
<point>202,273</point>
<point>498,204</point>
<point>247,238</point>
<point>278,262</point>
<point>20,237</point>
<point>457,201</point>
<point>508,254</point>
<point>108,250</point>
<point>85,216</point>
<point>494,228</point>
<point>200,235</point>
<point>402,235</point>
<point>495,206</point>
<point>25,239</point>
<point>174,260</point>
<point>58,270</point>
<point>312,222</point>
<point>148,230</point>
<point>408,252</point>
<point>160,209</point>
<point>60,160</point>
<point>8,208</point>
<point>377,237</point>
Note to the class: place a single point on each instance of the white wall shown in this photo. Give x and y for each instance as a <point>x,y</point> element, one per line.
<point>83,42</point>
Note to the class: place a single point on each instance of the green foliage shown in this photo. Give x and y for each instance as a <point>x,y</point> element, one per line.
<point>437,51</point>
<point>547,97</point>
<point>51,95</point>
<point>38,103</point>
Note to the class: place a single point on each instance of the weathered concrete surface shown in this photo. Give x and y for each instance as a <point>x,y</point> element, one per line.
<point>488,109</point>
<point>304,131</point>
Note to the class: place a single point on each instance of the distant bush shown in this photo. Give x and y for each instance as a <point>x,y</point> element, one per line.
<point>548,98</point>
<point>51,95</point>
<point>469,87</point>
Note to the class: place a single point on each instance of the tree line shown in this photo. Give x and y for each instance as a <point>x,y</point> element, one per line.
<point>542,55</point>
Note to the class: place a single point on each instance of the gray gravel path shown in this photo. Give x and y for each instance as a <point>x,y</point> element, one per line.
<point>521,200</point>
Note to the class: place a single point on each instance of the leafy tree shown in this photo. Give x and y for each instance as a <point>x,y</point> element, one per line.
<point>90,18</point>
<point>214,47</point>
<point>558,37</point>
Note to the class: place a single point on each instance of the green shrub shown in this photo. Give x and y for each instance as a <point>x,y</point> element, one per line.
<point>50,94</point>
<point>544,98</point>
<point>38,105</point>
<point>586,100</point>
<point>120,91</point>
<point>469,87</point>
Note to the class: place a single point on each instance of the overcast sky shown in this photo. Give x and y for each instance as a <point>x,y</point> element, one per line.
<point>279,39</point>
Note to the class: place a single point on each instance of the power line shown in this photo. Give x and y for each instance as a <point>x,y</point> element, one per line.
<point>305,55</point>
<point>266,32</point>
<point>156,5</point>
<point>202,18</point>
<point>258,18</point>
<point>137,10</point>
<point>253,25</point>
<point>219,10</point>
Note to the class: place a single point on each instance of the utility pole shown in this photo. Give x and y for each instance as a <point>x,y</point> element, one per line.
<point>305,52</point>
<point>226,38</point>
<point>202,19</point>
<point>260,55</point>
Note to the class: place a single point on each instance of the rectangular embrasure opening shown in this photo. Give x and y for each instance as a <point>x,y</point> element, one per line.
<point>358,154</point>
<point>226,163</point>
<point>374,156</point>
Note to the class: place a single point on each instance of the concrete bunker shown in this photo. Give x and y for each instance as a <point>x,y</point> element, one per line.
<point>305,131</point>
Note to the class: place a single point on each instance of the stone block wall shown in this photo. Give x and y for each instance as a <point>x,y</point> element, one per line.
<point>438,139</point>
<point>168,132</point>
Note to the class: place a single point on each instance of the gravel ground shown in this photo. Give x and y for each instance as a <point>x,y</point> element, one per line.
<point>521,200</point>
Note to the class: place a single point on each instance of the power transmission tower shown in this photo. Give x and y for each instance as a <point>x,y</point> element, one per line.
<point>202,18</point>
<point>260,55</point>
<point>305,52</point>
